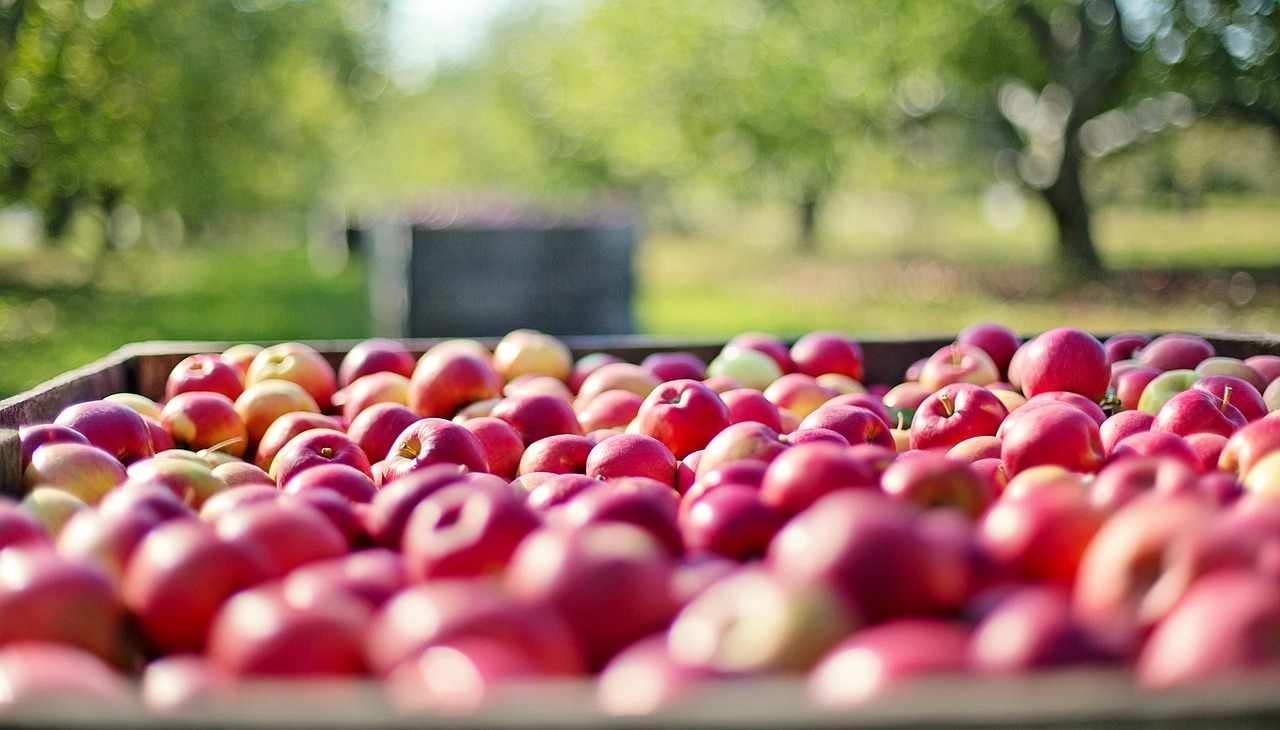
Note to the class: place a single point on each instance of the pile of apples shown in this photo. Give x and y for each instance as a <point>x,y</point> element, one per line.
<point>455,524</point>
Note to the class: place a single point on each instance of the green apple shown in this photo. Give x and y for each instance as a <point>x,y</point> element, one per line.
<point>1165,386</point>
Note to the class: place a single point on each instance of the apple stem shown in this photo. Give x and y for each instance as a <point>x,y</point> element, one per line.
<point>946,405</point>
<point>408,451</point>
<point>955,357</point>
<point>1226,397</point>
<point>901,421</point>
<point>219,446</point>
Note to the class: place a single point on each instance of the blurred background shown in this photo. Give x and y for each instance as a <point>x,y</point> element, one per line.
<point>257,169</point>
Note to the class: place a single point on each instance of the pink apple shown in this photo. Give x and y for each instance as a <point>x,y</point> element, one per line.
<point>749,404</point>
<point>1122,425</point>
<point>204,371</point>
<point>904,399</point>
<point>557,489</point>
<point>586,365</point>
<point>1175,352</point>
<point>798,393</point>
<point>348,481</point>
<point>998,341</point>
<point>394,502</point>
<point>1075,400</point>
<point>1130,384</point>
<point>84,471</point>
<point>632,455</point>
<point>1249,444</point>
<point>934,480</point>
<point>1050,434</point>
<point>47,597</point>
<point>1031,627</point>
<point>380,387</point>
<point>1124,346</point>
<point>609,409</point>
<point>857,424</point>
<point>731,520</point>
<point>537,415</point>
<point>645,503</point>
<point>800,475</point>
<point>1266,365</point>
<point>1235,391</point>
<point>375,355</point>
<point>675,366</point>
<point>1040,534</point>
<point>879,659</point>
<point>465,530</point>
<point>41,674</point>
<point>1195,410</point>
<point>766,344</point>
<point>282,533</point>
<point>283,429</point>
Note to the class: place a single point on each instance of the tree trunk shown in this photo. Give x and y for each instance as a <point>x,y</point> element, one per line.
<point>808,210</point>
<point>1066,200</point>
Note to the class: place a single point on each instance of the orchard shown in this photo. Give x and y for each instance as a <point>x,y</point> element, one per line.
<point>447,526</point>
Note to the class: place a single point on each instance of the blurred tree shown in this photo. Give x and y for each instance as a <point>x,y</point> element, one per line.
<point>199,108</point>
<point>758,97</point>
<point>1066,83</point>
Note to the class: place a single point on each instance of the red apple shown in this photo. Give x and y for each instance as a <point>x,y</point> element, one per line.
<point>675,366</point>
<point>609,409</point>
<point>880,659</point>
<point>1122,425</point>
<point>954,413</point>
<point>47,597</point>
<point>934,480</point>
<point>391,507</point>
<point>84,471</point>
<point>375,355</point>
<point>1235,391</point>
<point>314,447</point>
<point>1234,367</point>
<point>800,475</point>
<point>112,427</point>
<point>958,363</point>
<point>682,414</point>
<point>1050,434</point>
<point>749,404</point>
<point>1124,346</point>
<point>1194,411</point>
<point>1266,365</point>
<point>1065,359</point>
<point>617,376</point>
<point>1040,533</point>
<point>445,382</point>
<point>285,534</point>
<point>588,364</point>
<point>369,389</point>
<point>33,436</point>
<point>40,674</point>
<point>1130,384</point>
<point>465,530</point>
<point>823,351</point>
<point>998,341</point>
<point>558,489</point>
<point>537,415</point>
<point>730,520</point>
<point>262,403</point>
<point>348,481</point>
<point>283,429</point>
<point>204,372</point>
<point>1031,627</point>
<point>857,424</point>
<point>558,454</point>
<point>502,445</point>
<point>377,427</point>
<point>297,363</point>
<point>1249,444</point>
<point>798,393</point>
<point>433,441</point>
<point>204,420</point>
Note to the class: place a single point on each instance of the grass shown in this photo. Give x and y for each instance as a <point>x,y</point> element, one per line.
<point>887,267</point>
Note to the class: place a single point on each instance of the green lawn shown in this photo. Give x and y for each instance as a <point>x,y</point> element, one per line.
<point>935,270</point>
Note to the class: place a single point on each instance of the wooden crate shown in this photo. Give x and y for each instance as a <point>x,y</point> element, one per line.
<point>1089,699</point>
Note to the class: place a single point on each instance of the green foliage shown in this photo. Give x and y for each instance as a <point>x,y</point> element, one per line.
<point>201,107</point>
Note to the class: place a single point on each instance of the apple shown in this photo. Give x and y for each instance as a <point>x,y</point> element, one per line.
<point>675,366</point>
<point>741,367</point>
<point>1175,352</point>
<point>532,383</point>
<point>954,413</point>
<point>444,382</point>
<point>746,440</point>
<point>465,530</point>
<point>823,351</point>
<point>730,520</point>
<point>375,355</point>
<point>997,340</point>
<point>1130,383</point>
<point>557,489</point>
<point>870,401</point>
<point>33,436</point>
<point>1040,532</point>
<point>285,428</point>
<point>1236,391</point>
<point>617,376</point>
<point>204,372</point>
<point>1075,400</point>
<point>857,424</point>
<point>880,659</point>
<point>1235,367</point>
<point>799,393</point>
<point>610,409</point>
<point>1223,628</point>
<point>1249,444</point>
<point>753,621</point>
<point>425,614</point>
<point>934,480</point>
<point>47,597</point>
<point>870,550</point>
<point>262,403</point>
<point>610,580</point>
<point>283,534</point>
<point>502,446</point>
<point>1125,345</point>
<point>348,481</point>
<point>1208,447</point>
<point>372,575</point>
<point>39,674</point>
<point>178,577</point>
<point>537,415</point>
<point>749,404</point>
<point>377,427</point>
<point>1064,359</point>
<point>314,447</point>
<point>958,363</point>
<point>192,481</point>
<point>200,420</point>
<point>586,365</point>
<point>682,414</point>
<point>236,473</point>
<point>1050,434</point>
<point>84,471</point>
<point>1195,411</point>
<point>561,453</point>
<point>18,527</point>
<point>632,455</point>
<point>433,441</point>
<point>1121,425</point>
<point>259,633</point>
<point>645,503</point>
<point>903,399</point>
<point>643,679</point>
<point>297,363</point>
<point>767,344</point>
<point>393,503</point>
<point>140,404</point>
<point>346,515</point>
<point>524,351</point>
<point>1032,627</point>
<point>52,508</point>
<point>1267,365</point>
<point>381,387</point>
<point>116,429</point>
<point>1263,478</point>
